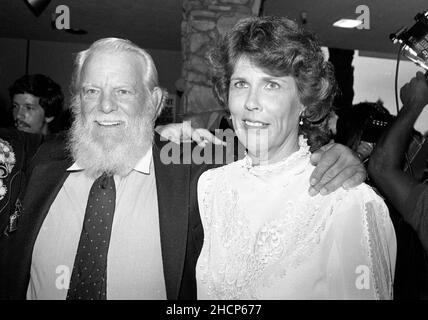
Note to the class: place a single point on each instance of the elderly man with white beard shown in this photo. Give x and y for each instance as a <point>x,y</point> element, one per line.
<point>107,219</point>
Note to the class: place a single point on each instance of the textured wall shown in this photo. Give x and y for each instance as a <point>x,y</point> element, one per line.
<point>203,22</point>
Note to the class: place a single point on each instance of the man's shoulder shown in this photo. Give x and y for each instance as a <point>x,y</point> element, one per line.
<point>16,135</point>
<point>22,141</point>
<point>54,148</point>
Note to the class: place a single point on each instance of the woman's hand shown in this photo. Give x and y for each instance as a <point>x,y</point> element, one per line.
<point>336,166</point>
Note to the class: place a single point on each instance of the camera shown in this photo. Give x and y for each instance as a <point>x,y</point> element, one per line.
<point>375,128</point>
<point>414,40</point>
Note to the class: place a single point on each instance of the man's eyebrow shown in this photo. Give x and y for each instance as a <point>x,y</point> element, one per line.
<point>132,85</point>
<point>88,84</point>
<point>124,84</point>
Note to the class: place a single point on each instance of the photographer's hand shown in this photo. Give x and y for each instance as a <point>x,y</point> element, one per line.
<point>414,95</point>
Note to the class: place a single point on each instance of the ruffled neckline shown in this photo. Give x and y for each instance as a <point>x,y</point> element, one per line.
<point>292,159</point>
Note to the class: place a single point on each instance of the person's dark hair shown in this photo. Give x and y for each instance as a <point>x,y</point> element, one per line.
<point>353,121</point>
<point>281,48</point>
<point>43,87</point>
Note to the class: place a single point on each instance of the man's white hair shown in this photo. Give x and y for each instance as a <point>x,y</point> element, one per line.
<point>150,77</point>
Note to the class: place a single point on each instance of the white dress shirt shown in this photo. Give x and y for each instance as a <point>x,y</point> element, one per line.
<point>134,263</point>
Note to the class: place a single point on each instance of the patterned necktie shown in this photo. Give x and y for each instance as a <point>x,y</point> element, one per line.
<point>89,276</point>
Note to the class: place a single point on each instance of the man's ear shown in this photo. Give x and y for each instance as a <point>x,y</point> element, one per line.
<point>157,98</point>
<point>49,119</point>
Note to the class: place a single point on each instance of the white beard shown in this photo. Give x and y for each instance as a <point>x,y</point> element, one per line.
<point>113,151</point>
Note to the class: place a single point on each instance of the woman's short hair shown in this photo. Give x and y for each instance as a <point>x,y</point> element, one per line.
<point>281,48</point>
<point>50,95</point>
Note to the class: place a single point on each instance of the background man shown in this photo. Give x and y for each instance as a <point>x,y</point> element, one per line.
<point>36,101</point>
<point>405,188</point>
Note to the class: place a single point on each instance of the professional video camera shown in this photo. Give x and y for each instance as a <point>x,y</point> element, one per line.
<point>414,40</point>
<point>414,46</point>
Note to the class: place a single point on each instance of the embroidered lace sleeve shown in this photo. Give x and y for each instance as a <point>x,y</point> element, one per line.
<point>205,197</point>
<point>361,258</point>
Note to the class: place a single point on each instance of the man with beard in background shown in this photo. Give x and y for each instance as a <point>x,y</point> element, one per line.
<point>109,219</point>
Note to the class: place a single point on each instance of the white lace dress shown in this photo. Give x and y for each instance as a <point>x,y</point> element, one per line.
<point>266,238</point>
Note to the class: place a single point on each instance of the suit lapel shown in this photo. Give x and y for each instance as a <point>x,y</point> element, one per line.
<point>172,182</point>
<point>46,180</point>
<point>43,187</point>
<point>45,183</point>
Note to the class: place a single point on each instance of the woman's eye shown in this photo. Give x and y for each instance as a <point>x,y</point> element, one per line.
<point>272,85</point>
<point>240,84</point>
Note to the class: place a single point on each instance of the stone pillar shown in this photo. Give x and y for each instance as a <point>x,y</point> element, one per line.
<point>203,22</point>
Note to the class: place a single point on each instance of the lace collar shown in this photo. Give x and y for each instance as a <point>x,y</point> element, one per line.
<point>290,161</point>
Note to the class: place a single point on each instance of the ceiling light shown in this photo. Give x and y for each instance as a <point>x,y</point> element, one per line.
<point>347,23</point>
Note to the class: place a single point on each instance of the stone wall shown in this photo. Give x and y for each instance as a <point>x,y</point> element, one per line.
<point>203,22</point>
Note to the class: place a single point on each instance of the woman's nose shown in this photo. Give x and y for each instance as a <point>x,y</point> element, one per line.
<point>252,102</point>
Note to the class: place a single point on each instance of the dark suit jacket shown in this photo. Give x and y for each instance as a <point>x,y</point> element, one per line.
<point>180,224</point>
<point>23,146</point>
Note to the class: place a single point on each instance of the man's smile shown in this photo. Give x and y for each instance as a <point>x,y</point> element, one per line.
<point>109,123</point>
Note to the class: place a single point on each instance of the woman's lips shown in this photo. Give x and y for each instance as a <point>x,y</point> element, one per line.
<point>253,124</point>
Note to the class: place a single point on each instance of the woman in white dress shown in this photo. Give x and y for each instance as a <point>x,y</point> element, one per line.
<point>258,243</point>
